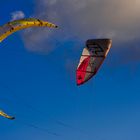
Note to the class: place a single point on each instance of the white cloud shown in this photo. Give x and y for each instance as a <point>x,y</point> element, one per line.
<point>116,19</point>
<point>17,15</point>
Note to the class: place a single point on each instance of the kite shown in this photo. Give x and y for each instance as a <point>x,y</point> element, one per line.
<point>13,26</point>
<point>6,116</point>
<point>91,59</point>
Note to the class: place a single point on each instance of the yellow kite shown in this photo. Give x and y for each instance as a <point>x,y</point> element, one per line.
<point>6,116</point>
<point>13,26</point>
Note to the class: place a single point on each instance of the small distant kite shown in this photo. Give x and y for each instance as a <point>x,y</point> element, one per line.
<point>91,59</point>
<point>13,26</point>
<point>6,116</point>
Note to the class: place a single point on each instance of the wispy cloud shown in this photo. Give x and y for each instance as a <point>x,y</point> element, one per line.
<point>17,15</point>
<point>83,19</point>
<point>86,18</point>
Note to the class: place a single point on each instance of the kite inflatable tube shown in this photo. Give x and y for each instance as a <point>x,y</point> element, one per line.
<point>13,26</point>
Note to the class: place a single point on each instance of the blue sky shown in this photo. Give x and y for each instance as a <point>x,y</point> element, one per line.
<point>37,76</point>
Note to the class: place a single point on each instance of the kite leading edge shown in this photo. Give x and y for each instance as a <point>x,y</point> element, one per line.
<point>13,26</point>
<point>3,114</point>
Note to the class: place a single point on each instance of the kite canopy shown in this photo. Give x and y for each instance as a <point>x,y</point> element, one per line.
<point>13,26</point>
<point>6,116</point>
<point>91,59</point>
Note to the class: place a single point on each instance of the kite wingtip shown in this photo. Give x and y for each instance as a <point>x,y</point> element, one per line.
<point>12,118</point>
<point>79,83</point>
